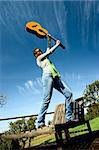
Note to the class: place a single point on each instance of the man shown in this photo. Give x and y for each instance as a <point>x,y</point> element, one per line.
<point>51,79</point>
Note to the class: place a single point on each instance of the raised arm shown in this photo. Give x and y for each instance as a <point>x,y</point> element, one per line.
<point>49,51</point>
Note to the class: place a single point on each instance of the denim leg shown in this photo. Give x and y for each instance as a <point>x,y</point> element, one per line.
<point>47,91</point>
<point>64,89</point>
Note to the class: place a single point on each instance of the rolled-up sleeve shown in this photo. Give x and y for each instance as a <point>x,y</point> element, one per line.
<point>47,53</point>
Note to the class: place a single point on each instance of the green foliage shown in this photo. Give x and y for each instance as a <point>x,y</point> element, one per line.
<point>31,123</point>
<point>5,144</point>
<point>93,111</point>
<point>18,126</point>
<point>91,93</point>
<point>23,125</point>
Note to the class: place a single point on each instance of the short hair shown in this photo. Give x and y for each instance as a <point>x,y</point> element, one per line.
<point>34,51</point>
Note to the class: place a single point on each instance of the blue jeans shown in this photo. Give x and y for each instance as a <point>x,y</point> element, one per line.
<point>48,84</point>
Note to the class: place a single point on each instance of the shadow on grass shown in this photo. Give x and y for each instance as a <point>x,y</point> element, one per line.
<point>88,141</point>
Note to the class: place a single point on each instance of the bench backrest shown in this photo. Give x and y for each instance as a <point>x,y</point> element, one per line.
<point>77,108</point>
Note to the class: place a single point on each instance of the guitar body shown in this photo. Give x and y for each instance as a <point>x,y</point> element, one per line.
<point>35,28</point>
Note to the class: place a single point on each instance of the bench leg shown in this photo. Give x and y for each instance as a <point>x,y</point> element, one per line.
<point>67,135</point>
<point>88,125</point>
<point>58,136</point>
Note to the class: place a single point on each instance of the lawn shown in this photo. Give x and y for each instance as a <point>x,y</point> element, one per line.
<point>46,139</point>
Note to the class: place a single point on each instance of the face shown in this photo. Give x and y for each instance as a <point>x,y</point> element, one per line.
<point>38,52</point>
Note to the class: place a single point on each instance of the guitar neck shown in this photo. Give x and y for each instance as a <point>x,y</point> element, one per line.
<point>56,40</point>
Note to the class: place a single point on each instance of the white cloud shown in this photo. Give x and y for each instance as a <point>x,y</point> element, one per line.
<point>60,11</point>
<point>79,77</point>
<point>21,90</point>
<point>75,81</point>
<point>72,76</point>
<point>31,87</point>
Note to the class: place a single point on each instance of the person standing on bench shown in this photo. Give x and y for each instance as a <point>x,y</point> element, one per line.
<point>51,79</point>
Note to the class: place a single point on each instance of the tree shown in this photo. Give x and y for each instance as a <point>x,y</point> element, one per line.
<point>31,123</point>
<point>30,126</point>
<point>91,93</point>
<point>93,111</point>
<point>18,127</point>
<point>23,125</point>
<point>5,144</point>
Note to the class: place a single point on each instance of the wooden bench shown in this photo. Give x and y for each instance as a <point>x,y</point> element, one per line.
<point>60,123</point>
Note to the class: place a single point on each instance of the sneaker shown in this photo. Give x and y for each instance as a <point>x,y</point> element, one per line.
<point>41,126</point>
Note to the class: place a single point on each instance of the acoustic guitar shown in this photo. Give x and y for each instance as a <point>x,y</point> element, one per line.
<point>36,28</point>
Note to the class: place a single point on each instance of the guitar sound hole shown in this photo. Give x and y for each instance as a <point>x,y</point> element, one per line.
<point>41,30</point>
<point>34,26</point>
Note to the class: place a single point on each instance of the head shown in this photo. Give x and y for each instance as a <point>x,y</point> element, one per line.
<point>37,52</point>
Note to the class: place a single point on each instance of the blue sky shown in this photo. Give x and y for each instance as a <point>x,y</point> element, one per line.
<point>75,23</point>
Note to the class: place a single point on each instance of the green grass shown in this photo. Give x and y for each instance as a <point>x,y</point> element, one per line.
<point>46,139</point>
<point>43,139</point>
<point>94,123</point>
